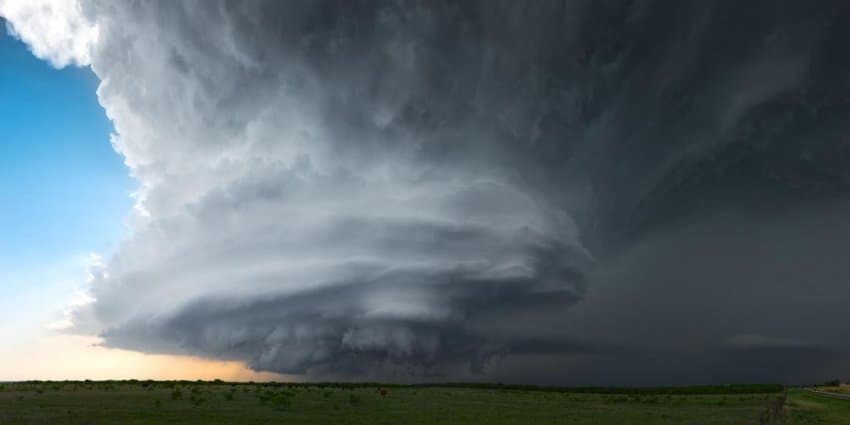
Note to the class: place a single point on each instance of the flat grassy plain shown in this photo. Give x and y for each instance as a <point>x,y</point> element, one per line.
<point>146,402</point>
<point>806,408</point>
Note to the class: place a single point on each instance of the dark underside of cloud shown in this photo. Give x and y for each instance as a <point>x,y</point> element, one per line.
<point>569,192</point>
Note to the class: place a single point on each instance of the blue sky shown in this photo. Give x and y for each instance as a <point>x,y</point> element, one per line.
<point>62,186</point>
<point>64,192</point>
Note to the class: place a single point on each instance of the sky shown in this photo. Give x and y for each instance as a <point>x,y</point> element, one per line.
<point>66,193</point>
<point>571,193</point>
<point>68,187</point>
<point>64,190</point>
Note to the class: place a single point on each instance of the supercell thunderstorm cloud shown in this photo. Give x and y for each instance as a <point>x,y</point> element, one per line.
<point>574,192</point>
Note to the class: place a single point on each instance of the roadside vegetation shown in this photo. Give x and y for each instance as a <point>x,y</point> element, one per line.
<point>835,389</point>
<point>808,408</point>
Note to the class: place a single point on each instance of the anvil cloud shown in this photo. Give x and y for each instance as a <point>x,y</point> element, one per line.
<point>571,192</point>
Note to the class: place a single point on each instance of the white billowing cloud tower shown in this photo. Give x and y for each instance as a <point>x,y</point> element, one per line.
<point>289,212</point>
<point>55,30</point>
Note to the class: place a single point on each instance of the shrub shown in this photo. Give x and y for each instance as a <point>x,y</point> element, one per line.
<point>281,401</point>
<point>265,396</point>
<point>353,399</point>
<point>197,400</point>
<point>650,400</point>
<point>176,394</point>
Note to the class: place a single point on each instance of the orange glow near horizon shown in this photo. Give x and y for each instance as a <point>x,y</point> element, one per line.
<point>67,357</point>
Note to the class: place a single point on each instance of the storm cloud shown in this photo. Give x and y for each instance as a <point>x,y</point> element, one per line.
<point>551,191</point>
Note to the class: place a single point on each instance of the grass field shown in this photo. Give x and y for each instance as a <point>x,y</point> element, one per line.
<point>805,408</point>
<point>221,403</point>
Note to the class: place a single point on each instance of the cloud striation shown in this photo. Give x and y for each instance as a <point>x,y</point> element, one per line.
<point>552,191</point>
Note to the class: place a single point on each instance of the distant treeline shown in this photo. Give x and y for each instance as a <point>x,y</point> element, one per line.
<point>686,390</point>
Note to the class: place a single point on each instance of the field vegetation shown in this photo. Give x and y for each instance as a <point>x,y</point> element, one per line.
<point>807,408</point>
<point>217,402</point>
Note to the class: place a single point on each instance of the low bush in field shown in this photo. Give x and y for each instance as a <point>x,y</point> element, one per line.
<point>197,400</point>
<point>281,401</point>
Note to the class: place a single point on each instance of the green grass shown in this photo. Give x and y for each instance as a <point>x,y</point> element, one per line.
<point>805,408</point>
<point>93,403</point>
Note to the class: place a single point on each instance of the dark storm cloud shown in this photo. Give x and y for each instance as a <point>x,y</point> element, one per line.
<point>323,332</point>
<point>735,297</point>
<point>561,192</point>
